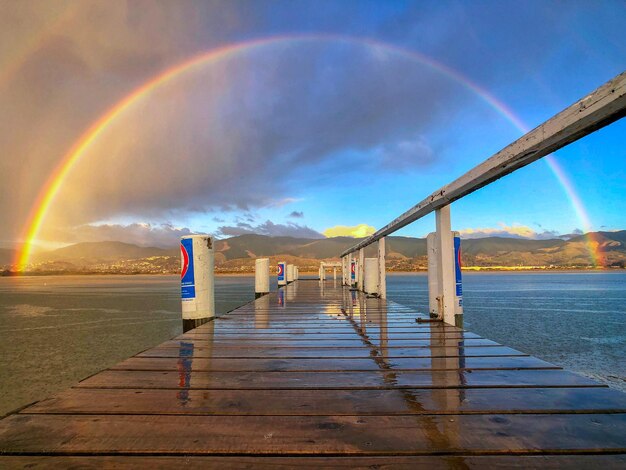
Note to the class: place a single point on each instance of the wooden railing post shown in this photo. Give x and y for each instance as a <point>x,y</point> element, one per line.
<point>445,264</point>
<point>361,270</point>
<point>382,273</point>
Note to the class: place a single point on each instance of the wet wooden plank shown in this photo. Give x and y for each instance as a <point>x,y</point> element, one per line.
<point>187,362</point>
<point>254,324</point>
<point>334,402</point>
<point>531,462</point>
<point>339,338</point>
<point>302,353</point>
<point>337,380</point>
<point>313,344</point>
<point>295,435</point>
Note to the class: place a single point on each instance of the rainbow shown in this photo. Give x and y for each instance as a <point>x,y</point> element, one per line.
<point>54,183</point>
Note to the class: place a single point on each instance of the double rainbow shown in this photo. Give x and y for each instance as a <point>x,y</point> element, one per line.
<point>54,183</point>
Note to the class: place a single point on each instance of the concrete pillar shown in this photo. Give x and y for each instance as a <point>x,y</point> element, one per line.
<point>445,264</point>
<point>289,273</point>
<point>382,271</point>
<point>296,273</point>
<point>197,285</point>
<point>370,276</point>
<point>334,273</point>
<point>360,266</point>
<point>261,277</point>
<point>282,273</point>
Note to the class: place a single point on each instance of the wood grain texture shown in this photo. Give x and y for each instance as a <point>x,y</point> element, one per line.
<point>295,435</point>
<point>334,402</point>
<point>445,462</point>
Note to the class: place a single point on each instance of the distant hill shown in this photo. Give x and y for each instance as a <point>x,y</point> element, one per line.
<point>236,254</point>
<point>93,252</point>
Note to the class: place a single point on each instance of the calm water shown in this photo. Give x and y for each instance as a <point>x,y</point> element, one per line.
<point>55,331</point>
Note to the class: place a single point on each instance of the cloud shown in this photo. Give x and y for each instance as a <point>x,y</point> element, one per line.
<point>248,132</point>
<point>512,231</point>
<point>296,214</point>
<point>255,129</point>
<point>355,231</point>
<point>271,229</point>
<point>144,234</point>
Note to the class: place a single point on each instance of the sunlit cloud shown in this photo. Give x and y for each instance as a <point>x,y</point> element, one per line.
<point>510,231</point>
<point>355,231</point>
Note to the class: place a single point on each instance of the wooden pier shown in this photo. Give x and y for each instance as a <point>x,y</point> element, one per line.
<point>318,375</point>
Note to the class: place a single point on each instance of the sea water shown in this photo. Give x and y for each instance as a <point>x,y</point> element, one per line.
<point>56,330</point>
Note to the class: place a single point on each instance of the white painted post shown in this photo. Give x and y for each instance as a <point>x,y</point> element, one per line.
<point>197,280</point>
<point>289,273</point>
<point>261,277</point>
<point>445,264</point>
<point>296,274</point>
<point>282,273</point>
<point>370,276</point>
<point>382,272</point>
<point>361,267</point>
<point>433,275</point>
<point>334,273</point>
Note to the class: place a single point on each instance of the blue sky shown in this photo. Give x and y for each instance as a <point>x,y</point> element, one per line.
<point>340,132</point>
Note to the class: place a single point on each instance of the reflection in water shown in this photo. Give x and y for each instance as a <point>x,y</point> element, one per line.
<point>281,297</point>
<point>441,434</point>
<point>184,372</point>
<point>292,291</point>
<point>261,312</point>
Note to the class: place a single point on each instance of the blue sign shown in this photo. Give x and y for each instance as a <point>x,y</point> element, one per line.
<point>187,280</point>
<point>281,271</point>
<point>457,266</point>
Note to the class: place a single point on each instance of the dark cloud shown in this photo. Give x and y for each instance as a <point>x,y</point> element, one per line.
<point>254,129</point>
<point>227,137</point>
<point>296,214</point>
<point>271,229</point>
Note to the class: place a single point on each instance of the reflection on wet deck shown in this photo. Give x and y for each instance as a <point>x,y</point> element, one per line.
<point>320,370</point>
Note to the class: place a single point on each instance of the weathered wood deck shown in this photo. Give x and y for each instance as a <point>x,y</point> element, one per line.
<point>315,377</point>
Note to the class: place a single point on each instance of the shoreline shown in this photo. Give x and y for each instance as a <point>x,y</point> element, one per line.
<point>468,270</point>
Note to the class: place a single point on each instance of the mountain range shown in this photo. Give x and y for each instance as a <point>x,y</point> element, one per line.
<point>237,254</point>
